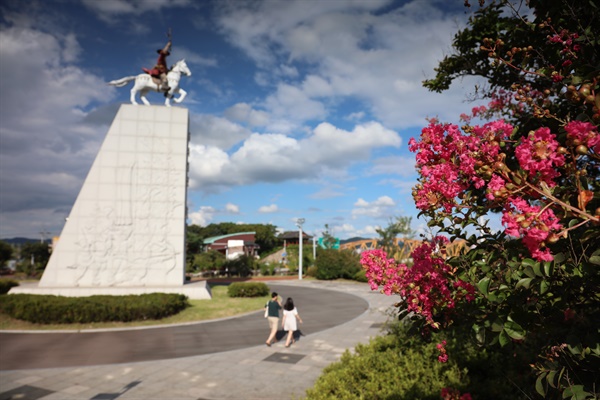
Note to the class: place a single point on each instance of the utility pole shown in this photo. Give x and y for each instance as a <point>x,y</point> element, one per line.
<point>43,236</point>
<point>299,223</point>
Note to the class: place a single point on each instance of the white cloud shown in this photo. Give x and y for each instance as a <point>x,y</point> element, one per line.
<point>383,207</point>
<point>203,216</point>
<point>232,208</point>
<point>46,151</point>
<point>107,9</point>
<point>268,209</point>
<point>394,165</point>
<point>243,112</point>
<point>278,158</point>
<point>379,58</point>
<point>209,130</point>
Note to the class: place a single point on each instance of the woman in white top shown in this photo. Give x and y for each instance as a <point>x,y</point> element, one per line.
<point>288,323</point>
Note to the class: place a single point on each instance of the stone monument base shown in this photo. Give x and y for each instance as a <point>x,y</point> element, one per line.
<point>194,290</point>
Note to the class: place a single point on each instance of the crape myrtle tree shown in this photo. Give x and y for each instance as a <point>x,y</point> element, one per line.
<point>531,289</point>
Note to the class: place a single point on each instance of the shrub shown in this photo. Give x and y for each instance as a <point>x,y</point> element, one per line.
<point>242,266</point>
<point>47,309</point>
<point>361,276</point>
<point>389,367</point>
<point>402,365</point>
<point>247,289</point>
<point>7,284</point>
<point>312,271</point>
<point>335,264</point>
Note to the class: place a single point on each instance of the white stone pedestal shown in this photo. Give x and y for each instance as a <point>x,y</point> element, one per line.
<point>126,231</point>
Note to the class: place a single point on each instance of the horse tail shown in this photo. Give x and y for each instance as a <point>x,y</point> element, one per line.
<point>122,82</point>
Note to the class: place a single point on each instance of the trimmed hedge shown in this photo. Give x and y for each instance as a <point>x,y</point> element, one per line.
<point>48,309</point>
<point>7,284</point>
<point>248,289</point>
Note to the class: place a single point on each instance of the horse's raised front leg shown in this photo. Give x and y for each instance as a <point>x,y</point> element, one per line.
<point>182,94</point>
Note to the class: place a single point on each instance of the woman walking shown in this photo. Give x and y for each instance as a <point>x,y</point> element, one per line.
<point>273,307</point>
<point>290,315</point>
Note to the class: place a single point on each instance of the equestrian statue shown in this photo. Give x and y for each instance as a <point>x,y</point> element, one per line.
<point>158,79</point>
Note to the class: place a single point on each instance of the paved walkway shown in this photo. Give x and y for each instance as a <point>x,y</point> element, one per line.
<point>224,359</point>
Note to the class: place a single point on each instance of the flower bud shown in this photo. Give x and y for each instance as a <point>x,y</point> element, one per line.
<point>581,149</point>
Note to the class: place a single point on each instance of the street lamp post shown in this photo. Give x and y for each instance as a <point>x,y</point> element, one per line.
<point>299,223</point>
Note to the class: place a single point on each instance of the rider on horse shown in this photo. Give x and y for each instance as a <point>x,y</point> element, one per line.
<point>159,72</point>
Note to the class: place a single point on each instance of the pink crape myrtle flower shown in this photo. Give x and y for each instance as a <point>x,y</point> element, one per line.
<point>532,223</point>
<point>496,184</point>
<point>453,394</point>
<point>538,155</point>
<point>449,161</point>
<point>428,287</point>
<point>586,133</point>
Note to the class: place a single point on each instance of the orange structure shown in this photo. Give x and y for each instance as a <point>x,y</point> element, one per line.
<point>405,246</point>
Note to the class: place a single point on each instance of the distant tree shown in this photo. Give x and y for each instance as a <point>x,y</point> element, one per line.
<point>208,261</point>
<point>396,226</point>
<point>328,239</point>
<point>34,257</point>
<point>6,253</point>
<point>241,266</point>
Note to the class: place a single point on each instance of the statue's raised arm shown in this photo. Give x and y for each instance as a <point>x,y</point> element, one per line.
<point>159,78</point>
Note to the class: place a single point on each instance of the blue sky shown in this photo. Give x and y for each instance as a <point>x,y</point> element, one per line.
<point>298,108</point>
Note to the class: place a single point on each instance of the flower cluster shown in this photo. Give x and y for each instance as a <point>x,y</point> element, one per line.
<point>536,224</point>
<point>537,154</point>
<point>453,164</point>
<point>453,394</point>
<point>450,161</point>
<point>583,134</point>
<point>428,287</point>
<point>443,357</point>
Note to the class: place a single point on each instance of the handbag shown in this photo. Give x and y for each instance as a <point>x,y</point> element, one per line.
<point>266,310</point>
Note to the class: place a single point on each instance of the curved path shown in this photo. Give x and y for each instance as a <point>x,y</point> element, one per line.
<point>320,309</point>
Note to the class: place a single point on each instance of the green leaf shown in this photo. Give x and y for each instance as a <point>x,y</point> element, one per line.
<point>544,286</point>
<point>548,269</point>
<point>595,260</point>
<point>529,262</point>
<point>503,338</point>
<point>529,272</point>
<point>558,258</point>
<point>550,379</point>
<point>525,282</point>
<point>497,326</point>
<point>539,384</point>
<point>484,285</point>
<point>514,330</point>
<point>576,392</point>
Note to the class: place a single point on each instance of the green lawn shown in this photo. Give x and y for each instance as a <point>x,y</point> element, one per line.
<point>220,306</point>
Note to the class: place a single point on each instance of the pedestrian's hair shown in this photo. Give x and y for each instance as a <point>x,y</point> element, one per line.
<point>289,304</point>
<point>274,294</point>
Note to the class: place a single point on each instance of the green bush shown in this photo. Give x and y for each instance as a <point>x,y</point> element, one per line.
<point>7,284</point>
<point>248,289</point>
<point>312,271</point>
<point>335,264</point>
<point>47,309</point>
<point>389,368</point>
<point>361,276</point>
<point>267,269</point>
<point>402,365</point>
<point>242,266</point>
